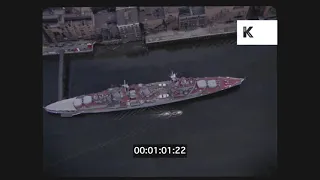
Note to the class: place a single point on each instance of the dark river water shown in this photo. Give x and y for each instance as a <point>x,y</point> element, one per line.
<point>229,134</point>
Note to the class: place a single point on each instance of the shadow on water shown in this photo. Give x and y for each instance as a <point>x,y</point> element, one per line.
<point>68,57</point>
<point>196,43</point>
<point>130,49</point>
<point>136,49</point>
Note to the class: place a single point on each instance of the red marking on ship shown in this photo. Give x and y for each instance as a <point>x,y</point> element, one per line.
<point>143,95</point>
<point>174,88</point>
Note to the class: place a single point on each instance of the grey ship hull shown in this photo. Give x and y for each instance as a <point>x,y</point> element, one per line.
<point>92,111</point>
<point>143,96</point>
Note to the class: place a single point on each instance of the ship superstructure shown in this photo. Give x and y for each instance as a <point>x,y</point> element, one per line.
<point>136,96</point>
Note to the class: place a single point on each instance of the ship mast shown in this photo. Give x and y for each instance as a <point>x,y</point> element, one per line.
<point>173,76</point>
<point>125,85</point>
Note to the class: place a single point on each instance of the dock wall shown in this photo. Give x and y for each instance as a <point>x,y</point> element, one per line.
<point>208,32</point>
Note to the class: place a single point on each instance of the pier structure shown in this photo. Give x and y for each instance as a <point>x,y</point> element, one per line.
<point>61,75</point>
<point>76,47</point>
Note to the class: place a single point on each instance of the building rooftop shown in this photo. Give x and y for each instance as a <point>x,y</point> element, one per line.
<point>171,9</point>
<point>184,11</point>
<point>127,7</point>
<point>102,18</point>
<point>151,13</point>
<point>127,15</point>
<point>52,13</point>
<point>75,17</point>
<point>69,13</point>
<point>51,18</point>
<point>197,10</point>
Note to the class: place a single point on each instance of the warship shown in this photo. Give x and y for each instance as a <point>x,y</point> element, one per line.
<point>134,96</point>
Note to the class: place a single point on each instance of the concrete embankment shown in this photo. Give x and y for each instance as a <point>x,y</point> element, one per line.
<point>211,31</point>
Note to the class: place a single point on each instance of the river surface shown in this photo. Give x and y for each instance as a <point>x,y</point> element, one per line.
<point>230,134</point>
